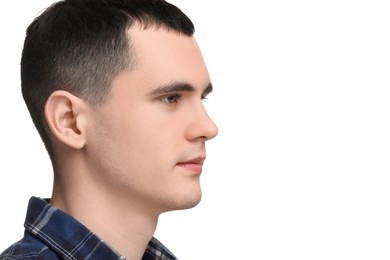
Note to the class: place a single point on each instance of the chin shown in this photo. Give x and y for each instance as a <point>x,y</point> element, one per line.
<point>192,203</point>
<point>185,201</point>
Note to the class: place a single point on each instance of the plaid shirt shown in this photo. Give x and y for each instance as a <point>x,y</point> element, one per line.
<point>52,234</point>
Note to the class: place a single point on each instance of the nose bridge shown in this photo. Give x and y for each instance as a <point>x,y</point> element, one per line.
<point>201,126</point>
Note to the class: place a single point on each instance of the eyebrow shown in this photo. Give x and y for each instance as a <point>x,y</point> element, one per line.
<point>179,87</point>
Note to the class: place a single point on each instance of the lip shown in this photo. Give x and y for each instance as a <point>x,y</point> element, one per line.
<point>194,165</point>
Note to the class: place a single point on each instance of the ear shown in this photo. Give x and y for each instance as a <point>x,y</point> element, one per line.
<point>65,116</point>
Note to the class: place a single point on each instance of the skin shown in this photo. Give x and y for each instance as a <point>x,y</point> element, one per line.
<point>123,163</point>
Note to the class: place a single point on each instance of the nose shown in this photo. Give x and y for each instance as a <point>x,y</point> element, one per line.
<point>201,126</point>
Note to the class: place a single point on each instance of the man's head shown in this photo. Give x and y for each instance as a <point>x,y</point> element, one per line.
<point>115,88</point>
<point>80,46</point>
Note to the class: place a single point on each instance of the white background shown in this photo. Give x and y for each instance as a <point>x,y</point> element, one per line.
<point>301,167</point>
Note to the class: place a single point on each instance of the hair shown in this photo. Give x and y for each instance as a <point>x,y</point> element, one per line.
<point>80,46</point>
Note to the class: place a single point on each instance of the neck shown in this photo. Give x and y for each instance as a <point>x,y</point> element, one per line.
<point>125,223</point>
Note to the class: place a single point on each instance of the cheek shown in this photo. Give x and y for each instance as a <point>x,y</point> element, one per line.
<point>146,137</point>
<point>139,143</point>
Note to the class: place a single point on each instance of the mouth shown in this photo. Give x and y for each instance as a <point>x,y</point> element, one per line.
<point>194,165</point>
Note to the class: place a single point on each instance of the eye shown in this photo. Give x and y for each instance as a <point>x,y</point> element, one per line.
<point>170,99</point>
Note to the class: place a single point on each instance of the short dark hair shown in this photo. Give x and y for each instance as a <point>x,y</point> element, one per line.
<point>80,46</point>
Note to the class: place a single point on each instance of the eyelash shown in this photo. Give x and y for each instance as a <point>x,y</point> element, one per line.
<point>176,97</point>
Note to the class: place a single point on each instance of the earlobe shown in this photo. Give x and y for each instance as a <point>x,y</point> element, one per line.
<point>65,118</point>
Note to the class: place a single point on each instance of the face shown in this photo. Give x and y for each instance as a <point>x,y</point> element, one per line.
<point>148,140</point>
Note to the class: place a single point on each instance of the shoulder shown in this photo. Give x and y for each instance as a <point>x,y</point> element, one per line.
<point>27,249</point>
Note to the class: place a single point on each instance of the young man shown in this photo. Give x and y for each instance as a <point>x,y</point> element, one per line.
<point>115,89</point>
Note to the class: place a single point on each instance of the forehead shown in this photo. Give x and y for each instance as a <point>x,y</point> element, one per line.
<point>165,55</point>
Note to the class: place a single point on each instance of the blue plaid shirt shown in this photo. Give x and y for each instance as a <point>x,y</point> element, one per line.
<point>53,234</point>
